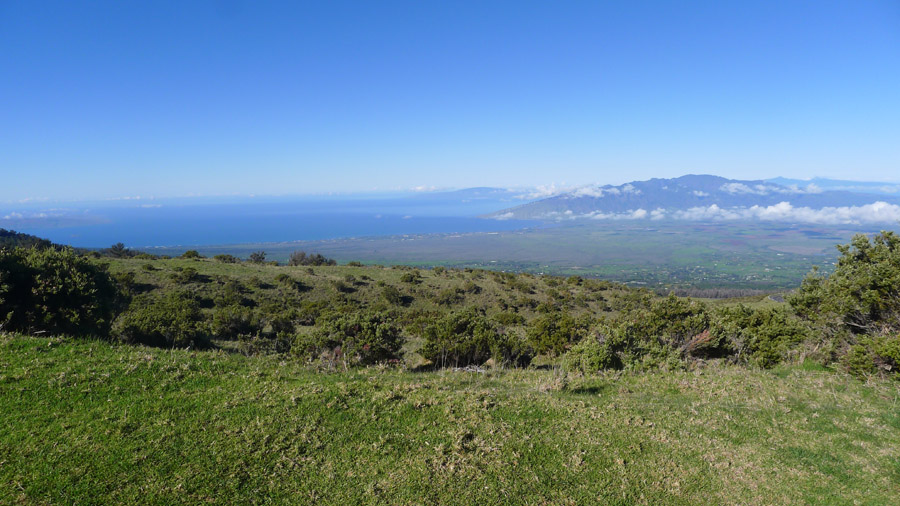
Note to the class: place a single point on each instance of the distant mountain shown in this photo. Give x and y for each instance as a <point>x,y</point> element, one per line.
<point>706,197</point>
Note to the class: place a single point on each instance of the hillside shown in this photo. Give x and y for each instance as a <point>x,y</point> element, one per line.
<point>88,422</point>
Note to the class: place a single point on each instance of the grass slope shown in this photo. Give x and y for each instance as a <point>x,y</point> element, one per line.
<point>93,423</point>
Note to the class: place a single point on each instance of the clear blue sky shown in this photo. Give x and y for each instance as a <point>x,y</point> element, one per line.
<point>106,99</point>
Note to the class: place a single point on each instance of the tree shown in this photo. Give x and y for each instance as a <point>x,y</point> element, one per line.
<point>258,257</point>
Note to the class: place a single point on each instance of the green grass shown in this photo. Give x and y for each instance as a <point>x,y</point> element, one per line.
<point>85,422</point>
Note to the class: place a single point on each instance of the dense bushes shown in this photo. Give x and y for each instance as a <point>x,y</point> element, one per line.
<point>359,338</point>
<point>857,307</point>
<point>863,292</point>
<point>171,320</point>
<point>763,337</point>
<point>315,259</point>
<point>468,337</point>
<point>553,333</point>
<point>55,291</point>
<point>235,321</point>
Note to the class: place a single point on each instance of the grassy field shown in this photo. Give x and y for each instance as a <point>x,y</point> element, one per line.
<point>765,256</point>
<point>85,422</point>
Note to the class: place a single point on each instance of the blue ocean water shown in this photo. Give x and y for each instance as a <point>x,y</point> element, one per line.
<point>194,223</point>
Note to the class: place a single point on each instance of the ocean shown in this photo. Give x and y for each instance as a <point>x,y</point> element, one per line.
<point>199,222</point>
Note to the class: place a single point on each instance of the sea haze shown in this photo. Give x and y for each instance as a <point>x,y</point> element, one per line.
<point>210,221</point>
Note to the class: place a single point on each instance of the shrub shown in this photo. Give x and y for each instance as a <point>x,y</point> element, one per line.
<point>412,277</point>
<point>257,257</point>
<point>231,293</point>
<point>468,337</point>
<point>55,291</point>
<point>235,321</point>
<point>392,296</point>
<point>863,292</point>
<point>171,320</point>
<point>360,338</point>
<point>874,355</point>
<point>290,283</point>
<point>471,287</point>
<point>185,276</point>
<point>507,318</point>
<point>554,332</point>
<point>302,258</point>
<point>226,259</point>
<point>192,254</point>
<point>447,296</point>
<point>763,337</point>
<point>342,286</point>
<point>592,354</point>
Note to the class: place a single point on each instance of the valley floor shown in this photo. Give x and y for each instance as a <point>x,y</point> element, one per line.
<point>86,422</point>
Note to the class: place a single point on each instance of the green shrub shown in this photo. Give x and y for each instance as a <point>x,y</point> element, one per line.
<point>235,321</point>
<point>878,354</point>
<point>171,320</point>
<point>554,332</point>
<point>303,258</point>
<point>231,293</point>
<point>185,276</point>
<point>863,292</point>
<point>290,283</point>
<point>763,337</point>
<point>55,291</point>
<point>592,354</point>
<point>509,319</point>
<point>413,277</point>
<point>468,337</point>
<point>447,297</point>
<point>226,259</point>
<point>192,254</point>
<point>360,338</point>
<point>393,296</point>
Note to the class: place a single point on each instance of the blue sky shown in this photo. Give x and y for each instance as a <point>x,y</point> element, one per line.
<point>108,99</point>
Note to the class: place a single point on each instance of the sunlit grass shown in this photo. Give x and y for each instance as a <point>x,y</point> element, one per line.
<point>88,422</point>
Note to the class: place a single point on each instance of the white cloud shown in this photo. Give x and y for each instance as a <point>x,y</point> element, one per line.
<point>763,189</point>
<point>543,191</point>
<point>741,188</point>
<point>505,216</point>
<point>878,212</point>
<point>700,193</point>
<point>589,191</point>
<point>628,188</point>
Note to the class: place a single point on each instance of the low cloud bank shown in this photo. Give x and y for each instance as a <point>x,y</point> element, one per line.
<point>767,189</point>
<point>877,212</point>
